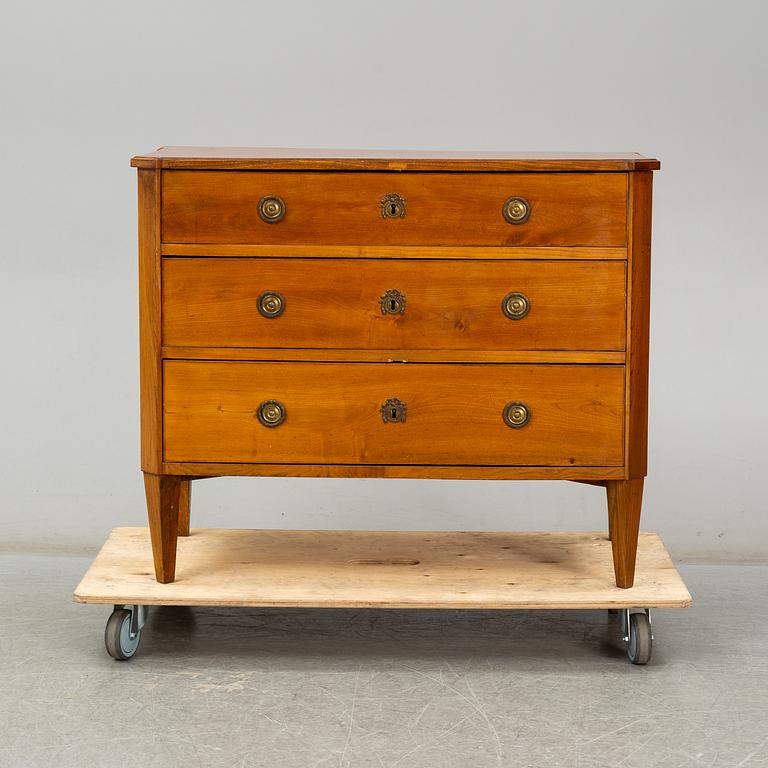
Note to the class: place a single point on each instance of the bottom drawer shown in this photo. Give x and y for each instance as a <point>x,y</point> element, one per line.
<point>390,413</point>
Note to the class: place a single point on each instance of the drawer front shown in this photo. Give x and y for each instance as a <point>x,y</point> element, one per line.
<point>350,413</point>
<point>342,208</point>
<point>394,304</point>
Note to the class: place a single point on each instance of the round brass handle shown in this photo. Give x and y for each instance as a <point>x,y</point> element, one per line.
<point>271,209</point>
<point>516,305</point>
<point>271,413</point>
<point>271,304</point>
<point>516,415</point>
<point>516,210</point>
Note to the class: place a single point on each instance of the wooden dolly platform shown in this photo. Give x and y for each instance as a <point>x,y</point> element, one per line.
<point>363,569</point>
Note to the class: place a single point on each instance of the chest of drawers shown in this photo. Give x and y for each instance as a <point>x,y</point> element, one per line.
<point>415,315</point>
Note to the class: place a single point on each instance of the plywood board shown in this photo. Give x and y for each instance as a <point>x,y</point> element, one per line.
<point>363,569</point>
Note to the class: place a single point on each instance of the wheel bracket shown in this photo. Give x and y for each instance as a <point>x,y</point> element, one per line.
<point>139,615</point>
<point>626,624</point>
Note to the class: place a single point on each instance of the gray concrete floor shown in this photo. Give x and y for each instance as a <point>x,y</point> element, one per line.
<point>285,688</point>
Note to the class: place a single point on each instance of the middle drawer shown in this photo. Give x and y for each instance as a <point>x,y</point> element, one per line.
<point>394,304</point>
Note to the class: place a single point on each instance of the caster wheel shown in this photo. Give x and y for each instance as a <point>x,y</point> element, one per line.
<point>640,639</point>
<point>117,635</point>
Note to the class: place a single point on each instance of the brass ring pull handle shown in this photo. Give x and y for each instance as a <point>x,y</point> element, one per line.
<point>516,415</point>
<point>271,413</point>
<point>516,210</point>
<point>392,206</point>
<point>271,209</point>
<point>516,305</point>
<point>271,304</point>
<point>393,411</point>
<point>392,302</point>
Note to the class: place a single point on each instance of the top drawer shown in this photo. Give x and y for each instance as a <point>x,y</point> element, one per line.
<point>353,208</point>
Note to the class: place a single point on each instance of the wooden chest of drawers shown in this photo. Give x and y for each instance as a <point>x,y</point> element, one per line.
<point>414,315</point>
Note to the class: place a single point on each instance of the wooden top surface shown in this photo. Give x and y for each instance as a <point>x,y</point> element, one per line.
<point>271,158</point>
<point>363,569</point>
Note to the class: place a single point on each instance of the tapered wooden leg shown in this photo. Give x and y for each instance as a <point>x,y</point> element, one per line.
<point>163,512</point>
<point>625,498</point>
<point>185,500</point>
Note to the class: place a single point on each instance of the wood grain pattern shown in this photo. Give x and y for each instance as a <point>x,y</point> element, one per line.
<point>624,502</point>
<point>394,355</point>
<point>273,158</point>
<point>449,304</point>
<point>404,471</point>
<point>162,494</point>
<point>454,413</point>
<point>185,504</point>
<point>579,360</point>
<point>638,324</point>
<point>441,209</point>
<point>362,569</point>
<point>150,366</point>
<point>549,253</point>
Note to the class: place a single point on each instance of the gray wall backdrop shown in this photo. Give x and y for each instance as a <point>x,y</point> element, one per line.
<point>84,85</point>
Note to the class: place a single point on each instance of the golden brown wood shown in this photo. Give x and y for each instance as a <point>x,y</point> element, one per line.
<point>392,251</point>
<point>638,324</point>
<point>272,158</point>
<point>434,472</point>
<point>149,320</point>
<point>364,569</point>
<point>583,258</point>
<point>454,413</point>
<point>185,503</point>
<point>393,355</point>
<point>441,209</point>
<point>624,502</point>
<point>163,511</point>
<point>448,304</point>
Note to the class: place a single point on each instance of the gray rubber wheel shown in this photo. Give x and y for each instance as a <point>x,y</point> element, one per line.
<point>117,635</point>
<point>640,639</point>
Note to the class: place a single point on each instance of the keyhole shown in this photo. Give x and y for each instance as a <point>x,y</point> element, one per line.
<point>392,305</point>
<point>394,414</point>
<point>393,209</point>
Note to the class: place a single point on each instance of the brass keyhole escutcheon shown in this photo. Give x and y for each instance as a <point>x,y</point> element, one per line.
<point>271,209</point>
<point>392,302</point>
<point>516,305</point>
<point>271,413</point>
<point>393,411</point>
<point>516,210</point>
<point>271,304</point>
<point>392,206</point>
<point>516,415</point>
